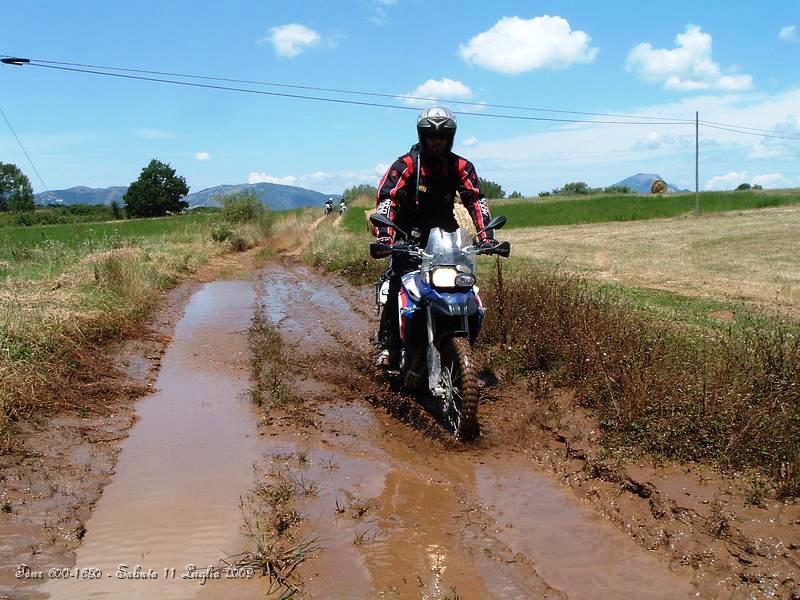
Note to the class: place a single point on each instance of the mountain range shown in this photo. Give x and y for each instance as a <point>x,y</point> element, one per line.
<point>276,196</point>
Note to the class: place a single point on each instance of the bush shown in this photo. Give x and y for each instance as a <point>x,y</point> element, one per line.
<point>220,233</point>
<point>242,207</point>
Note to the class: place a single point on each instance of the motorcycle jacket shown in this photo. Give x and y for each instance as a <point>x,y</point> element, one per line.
<point>420,192</point>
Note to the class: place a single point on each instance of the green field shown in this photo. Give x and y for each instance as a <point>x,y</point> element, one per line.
<point>75,234</point>
<point>621,207</point>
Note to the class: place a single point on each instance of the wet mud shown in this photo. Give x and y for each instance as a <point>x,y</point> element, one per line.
<point>402,510</point>
<point>395,507</point>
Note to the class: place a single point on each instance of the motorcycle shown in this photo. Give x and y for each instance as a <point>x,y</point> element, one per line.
<point>342,208</point>
<point>328,209</point>
<point>440,314</point>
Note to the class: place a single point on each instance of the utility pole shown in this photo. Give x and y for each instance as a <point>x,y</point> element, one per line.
<point>697,161</point>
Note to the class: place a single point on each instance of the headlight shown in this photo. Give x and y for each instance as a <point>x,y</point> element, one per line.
<point>465,280</point>
<point>444,277</point>
<point>448,277</point>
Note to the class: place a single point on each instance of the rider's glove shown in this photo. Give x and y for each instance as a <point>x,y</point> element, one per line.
<point>386,240</point>
<point>489,244</point>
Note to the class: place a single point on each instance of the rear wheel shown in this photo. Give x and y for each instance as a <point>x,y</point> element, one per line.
<point>460,402</point>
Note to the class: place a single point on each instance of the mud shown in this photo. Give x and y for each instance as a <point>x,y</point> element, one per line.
<point>534,509</point>
<point>405,512</point>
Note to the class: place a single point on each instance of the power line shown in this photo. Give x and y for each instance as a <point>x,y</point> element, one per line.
<point>773,131</point>
<point>780,137</point>
<point>42,62</point>
<point>343,101</point>
<point>44,185</point>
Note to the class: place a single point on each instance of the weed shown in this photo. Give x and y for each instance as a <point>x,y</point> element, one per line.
<point>729,397</point>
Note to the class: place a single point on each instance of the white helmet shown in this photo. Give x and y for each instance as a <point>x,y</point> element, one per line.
<point>438,119</point>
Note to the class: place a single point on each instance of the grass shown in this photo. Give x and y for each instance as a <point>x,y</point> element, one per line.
<point>62,298</point>
<point>726,397</point>
<point>660,371</point>
<point>604,208</point>
<point>634,207</point>
<point>748,256</point>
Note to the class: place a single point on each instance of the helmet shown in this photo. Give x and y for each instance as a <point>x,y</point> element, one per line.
<point>438,119</point>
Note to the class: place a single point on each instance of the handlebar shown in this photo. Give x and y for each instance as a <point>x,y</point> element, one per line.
<point>378,250</point>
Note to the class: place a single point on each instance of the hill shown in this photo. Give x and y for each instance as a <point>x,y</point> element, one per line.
<point>641,182</point>
<point>82,195</point>
<point>277,197</point>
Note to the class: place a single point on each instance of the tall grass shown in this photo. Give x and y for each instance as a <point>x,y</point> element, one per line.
<point>62,297</point>
<point>730,397</point>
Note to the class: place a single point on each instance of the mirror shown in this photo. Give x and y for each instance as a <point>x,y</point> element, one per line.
<point>497,222</point>
<point>380,221</point>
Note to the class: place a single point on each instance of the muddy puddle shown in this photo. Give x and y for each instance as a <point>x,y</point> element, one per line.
<point>398,515</point>
<point>174,500</point>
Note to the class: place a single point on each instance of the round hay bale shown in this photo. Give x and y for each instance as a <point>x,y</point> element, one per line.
<point>659,186</point>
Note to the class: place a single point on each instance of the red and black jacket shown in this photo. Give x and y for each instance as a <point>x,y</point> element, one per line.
<point>426,200</point>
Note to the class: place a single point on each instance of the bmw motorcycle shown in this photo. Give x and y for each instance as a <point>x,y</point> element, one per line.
<point>440,315</point>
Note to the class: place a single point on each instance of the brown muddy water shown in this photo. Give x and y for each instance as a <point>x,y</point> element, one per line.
<point>174,500</point>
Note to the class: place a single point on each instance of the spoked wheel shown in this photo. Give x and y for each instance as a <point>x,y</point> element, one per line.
<point>460,403</point>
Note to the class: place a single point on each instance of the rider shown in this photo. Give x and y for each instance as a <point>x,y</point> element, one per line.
<point>329,206</point>
<point>342,206</point>
<point>418,191</point>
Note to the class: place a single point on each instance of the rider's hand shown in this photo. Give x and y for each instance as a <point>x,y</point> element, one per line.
<point>488,244</point>
<point>386,240</point>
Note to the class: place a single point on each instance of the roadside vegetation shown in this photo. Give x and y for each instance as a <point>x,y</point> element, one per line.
<point>65,290</point>
<point>662,373</point>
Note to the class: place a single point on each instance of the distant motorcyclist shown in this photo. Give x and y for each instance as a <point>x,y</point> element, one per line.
<point>329,206</point>
<point>419,191</point>
<point>342,206</point>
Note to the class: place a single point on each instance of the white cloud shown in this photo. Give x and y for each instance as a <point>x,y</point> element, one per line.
<point>470,142</point>
<point>653,141</point>
<point>726,182</point>
<point>514,45</point>
<point>202,156</point>
<point>381,168</point>
<point>688,67</point>
<point>771,180</point>
<point>788,34</point>
<point>602,155</point>
<point>381,15</point>
<point>775,147</point>
<point>291,39</point>
<point>255,177</point>
<point>438,89</point>
<point>734,179</point>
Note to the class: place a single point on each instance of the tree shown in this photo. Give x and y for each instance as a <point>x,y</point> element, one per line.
<point>514,195</point>
<point>743,186</point>
<point>490,189</point>
<point>16,193</point>
<point>575,187</point>
<point>357,191</point>
<point>116,211</point>
<point>618,189</point>
<point>157,191</point>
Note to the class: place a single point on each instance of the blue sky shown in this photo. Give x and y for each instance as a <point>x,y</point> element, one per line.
<point>734,62</point>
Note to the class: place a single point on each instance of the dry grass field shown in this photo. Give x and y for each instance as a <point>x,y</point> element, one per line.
<point>751,256</point>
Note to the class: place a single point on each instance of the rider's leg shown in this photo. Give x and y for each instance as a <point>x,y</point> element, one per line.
<point>389,331</point>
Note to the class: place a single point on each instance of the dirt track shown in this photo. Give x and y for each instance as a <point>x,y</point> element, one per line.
<point>398,508</point>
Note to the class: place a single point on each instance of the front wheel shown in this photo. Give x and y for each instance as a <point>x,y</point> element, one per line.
<point>460,402</point>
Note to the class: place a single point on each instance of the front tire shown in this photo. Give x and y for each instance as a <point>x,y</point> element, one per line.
<point>460,404</point>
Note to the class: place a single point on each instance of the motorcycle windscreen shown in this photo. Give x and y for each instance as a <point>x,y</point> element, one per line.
<point>446,249</point>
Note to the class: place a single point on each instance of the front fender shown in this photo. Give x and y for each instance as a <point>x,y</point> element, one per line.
<point>456,304</point>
